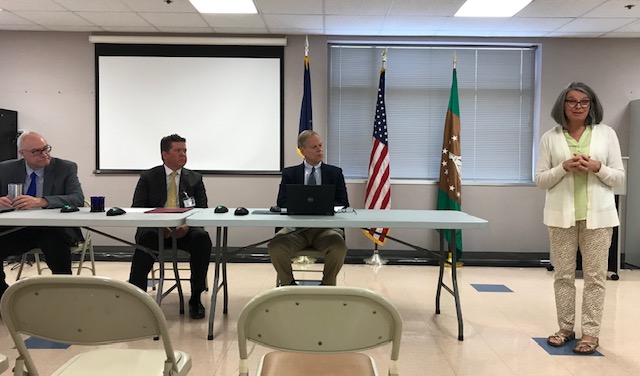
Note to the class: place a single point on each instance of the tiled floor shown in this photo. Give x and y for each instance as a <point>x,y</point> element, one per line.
<point>500,327</point>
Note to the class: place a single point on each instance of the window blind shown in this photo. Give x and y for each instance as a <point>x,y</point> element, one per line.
<point>496,89</point>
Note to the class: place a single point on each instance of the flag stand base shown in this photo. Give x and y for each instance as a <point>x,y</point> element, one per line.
<point>459,264</point>
<point>375,259</point>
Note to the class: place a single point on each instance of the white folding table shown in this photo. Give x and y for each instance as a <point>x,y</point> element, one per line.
<point>134,217</point>
<point>444,220</point>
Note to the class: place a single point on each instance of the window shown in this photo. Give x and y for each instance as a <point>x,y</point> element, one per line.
<point>496,90</point>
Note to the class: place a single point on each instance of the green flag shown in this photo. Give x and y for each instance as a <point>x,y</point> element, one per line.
<point>450,186</point>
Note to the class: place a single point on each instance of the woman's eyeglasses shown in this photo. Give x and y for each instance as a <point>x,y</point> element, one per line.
<point>574,102</point>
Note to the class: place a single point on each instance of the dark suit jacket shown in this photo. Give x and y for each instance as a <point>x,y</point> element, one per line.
<point>330,175</point>
<point>151,191</point>
<point>61,185</point>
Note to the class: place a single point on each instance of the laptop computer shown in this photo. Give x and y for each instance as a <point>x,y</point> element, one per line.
<point>310,199</point>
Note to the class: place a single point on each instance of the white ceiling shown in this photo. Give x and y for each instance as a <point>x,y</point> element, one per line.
<point>541,18</point>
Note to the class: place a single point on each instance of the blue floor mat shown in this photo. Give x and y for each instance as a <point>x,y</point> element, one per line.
<point>564,350</point>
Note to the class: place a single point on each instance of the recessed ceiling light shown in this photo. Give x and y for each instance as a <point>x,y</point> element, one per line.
<point>224,6</point>
<point>490,8</point>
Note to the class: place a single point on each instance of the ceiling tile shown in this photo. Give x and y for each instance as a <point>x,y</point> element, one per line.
<point>631,27</point>
<point>621,35</point>
<point>358,7</point>
<point>594,25</point>
<point>296,31</point>
<point>615,9</point>
<point>533,24</point>
<point>237,30</point>
<point>130,29</point>
<point>174,19</point>
<point>25,27</point>
<point>354,32</point>
<point>433,8</point>
<point>293,22</point>
<point>176,6</point>
<point>8,18</point>
<point>289,6</point>
<point>79,29</point>
<point>114,19</point>
<point>94,5</point>
<point>53,18</point>
<point>467,24</point>
<point>521,33</point>
<point>398,23</point>
<point>39,5</point>
<point>559,8</point>
<point>558,34</point>
<point>234,20</point>
<point>353,22</point>
<point>185,30</point>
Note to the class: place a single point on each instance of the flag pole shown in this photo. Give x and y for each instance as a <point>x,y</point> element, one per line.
<point>375,259</point>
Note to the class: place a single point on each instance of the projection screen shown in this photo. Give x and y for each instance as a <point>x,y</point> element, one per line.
<point>227,101</point>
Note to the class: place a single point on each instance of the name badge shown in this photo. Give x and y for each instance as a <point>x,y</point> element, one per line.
<point>188,202</point>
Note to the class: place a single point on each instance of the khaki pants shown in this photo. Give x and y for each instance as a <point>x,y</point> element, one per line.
<point>594,247</point>
<point>328,240</point>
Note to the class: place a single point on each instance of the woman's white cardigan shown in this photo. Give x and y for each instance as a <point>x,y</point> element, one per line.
<point>559,209</point>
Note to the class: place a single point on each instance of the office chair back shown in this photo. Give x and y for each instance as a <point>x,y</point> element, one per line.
<point>81,310</point>
<point>320,320</point>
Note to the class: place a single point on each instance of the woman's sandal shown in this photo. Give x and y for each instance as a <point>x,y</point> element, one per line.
<point>584,347</point>
<point>561,338</point>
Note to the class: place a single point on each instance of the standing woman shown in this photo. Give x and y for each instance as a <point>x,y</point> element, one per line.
<point>579,163</point>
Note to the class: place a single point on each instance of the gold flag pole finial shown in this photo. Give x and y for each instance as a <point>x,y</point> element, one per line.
<point>306,46</point>
<point>384,60</point>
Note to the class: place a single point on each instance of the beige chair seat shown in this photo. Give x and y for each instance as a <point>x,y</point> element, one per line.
<point>280,363</point>
<point>109,362</point>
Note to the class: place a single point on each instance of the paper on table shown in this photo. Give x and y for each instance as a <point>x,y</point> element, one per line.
<point>168,210</point>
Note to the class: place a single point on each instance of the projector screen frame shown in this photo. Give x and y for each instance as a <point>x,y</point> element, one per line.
<point>168,50</point>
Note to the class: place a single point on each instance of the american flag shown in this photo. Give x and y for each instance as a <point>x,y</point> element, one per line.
<point>378,195</point>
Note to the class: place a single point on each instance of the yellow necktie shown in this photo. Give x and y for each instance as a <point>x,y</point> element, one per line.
<point>172,191</point>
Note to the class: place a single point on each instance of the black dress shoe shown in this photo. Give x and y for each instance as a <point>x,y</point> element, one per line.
<point>196,310</point>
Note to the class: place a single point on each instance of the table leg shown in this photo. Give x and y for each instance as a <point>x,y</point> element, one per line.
<point>442,262</point>
<point>216,278</point>
<point>174,249</point>
<point>161,261</point>
<point>454,282</point>
<point>225,291</point>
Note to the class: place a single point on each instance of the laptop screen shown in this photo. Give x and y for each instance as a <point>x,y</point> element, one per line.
<point>310,199</point>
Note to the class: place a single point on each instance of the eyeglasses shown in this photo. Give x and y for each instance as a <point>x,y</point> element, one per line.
<point>574,103</point>
<point>37,152</point>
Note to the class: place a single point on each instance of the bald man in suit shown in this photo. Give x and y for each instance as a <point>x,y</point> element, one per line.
<point>153,190</point>
<point>47,183</point>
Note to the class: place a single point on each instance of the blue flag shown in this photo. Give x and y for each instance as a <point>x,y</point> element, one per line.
<point>306,116</point>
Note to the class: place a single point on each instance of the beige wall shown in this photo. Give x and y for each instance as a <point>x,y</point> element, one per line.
<point>48,78</point>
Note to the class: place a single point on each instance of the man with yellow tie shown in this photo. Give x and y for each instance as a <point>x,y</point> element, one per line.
<point>171,185</point>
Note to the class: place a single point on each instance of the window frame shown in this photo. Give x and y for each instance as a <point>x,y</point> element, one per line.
<point>357,138</point>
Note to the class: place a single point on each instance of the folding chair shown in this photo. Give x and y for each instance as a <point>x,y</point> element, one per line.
<point>319,330</point>
<point>80,310</point>
<point>302,260</point>
<point>82,248</point>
